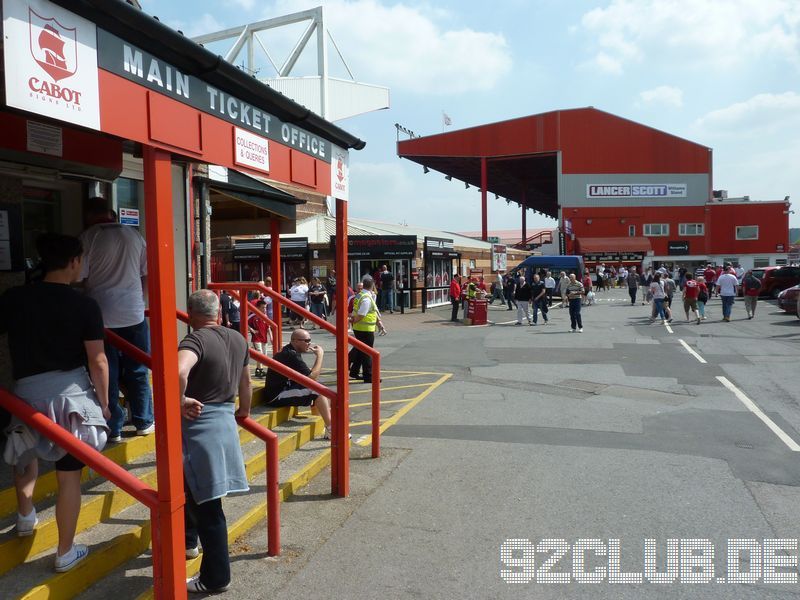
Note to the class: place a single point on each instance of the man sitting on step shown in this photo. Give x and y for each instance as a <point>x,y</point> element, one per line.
<point>282,391</point>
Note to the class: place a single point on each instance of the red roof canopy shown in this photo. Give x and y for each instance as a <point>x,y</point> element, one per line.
<point>523,154</point>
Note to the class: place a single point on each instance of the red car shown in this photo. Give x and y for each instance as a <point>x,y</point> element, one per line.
<point>776,279</point>
<point>789,299</point>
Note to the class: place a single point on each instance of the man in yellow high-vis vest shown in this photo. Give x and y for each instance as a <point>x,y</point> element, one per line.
<point>366,319</point>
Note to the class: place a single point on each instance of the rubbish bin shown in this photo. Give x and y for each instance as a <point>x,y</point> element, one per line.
<point>477,311</point>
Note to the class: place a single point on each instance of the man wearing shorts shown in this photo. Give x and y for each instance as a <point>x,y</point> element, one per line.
<point>282,391</point>
<point>690,293</point>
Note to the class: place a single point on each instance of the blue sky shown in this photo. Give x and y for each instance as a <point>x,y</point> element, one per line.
<point>723,73</point>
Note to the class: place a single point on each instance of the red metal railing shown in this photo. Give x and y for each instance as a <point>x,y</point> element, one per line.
<point>540,238</point>
<point>241,288</point>
<point>92,458</point>
<point>273,500</point>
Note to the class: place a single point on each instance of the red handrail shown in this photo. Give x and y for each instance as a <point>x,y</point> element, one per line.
<point>126,347</point>
<point>273,326</point>
<point>280,367</point>
<point>273,513</point>
<point>244,286</point>
<point>89,456</point>
<point>269,437</point>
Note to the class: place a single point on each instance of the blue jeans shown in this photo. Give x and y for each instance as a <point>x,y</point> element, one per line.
<point>727,305</point>
<point>659,302</point>
<point>387,299</point>
<point>575,313</point>
<point>138,395</point>
<point>537,304</point>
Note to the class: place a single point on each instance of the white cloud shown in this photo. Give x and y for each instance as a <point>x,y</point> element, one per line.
<point>663,95</point>
<point>720,34</point>
<point>763,113</point>
<point>411,48</point>
<point>205,23</point>
<point>244,4</point>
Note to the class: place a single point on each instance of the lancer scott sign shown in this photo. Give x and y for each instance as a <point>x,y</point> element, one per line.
<point>636,190</point>
<point>50,58</point>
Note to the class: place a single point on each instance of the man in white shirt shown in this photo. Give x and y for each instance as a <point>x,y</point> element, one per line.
<point>727,284</point>
<point>114,272</point>
<point>549,286</point>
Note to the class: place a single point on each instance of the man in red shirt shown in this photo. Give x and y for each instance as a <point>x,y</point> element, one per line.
<point>690,292</point>
<point>455,297</point>
<point>710,275</point>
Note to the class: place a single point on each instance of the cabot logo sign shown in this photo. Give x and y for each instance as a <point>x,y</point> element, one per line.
<point>340,173</point>
<point>53,46</point>
<point>51,62</point>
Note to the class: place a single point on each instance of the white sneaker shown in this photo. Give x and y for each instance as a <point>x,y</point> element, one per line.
<point>580,330</point>
<point>26,524</point>
<point>147,430</point>
<point>193,552</point>
<point>194,586</point>
<point>67,561</point>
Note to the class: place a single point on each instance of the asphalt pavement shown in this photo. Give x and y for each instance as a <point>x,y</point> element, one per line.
<point>549,458</point>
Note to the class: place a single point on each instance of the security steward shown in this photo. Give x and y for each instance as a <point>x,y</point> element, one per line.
<point>365,319</point>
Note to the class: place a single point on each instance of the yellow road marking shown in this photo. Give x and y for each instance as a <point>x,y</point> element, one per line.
<point>411,404</point>
<point>360,404</point>
<point>361,423</point>
<point>397,387</point>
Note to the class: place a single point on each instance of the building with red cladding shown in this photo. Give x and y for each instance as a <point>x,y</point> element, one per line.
<point>621,191</point>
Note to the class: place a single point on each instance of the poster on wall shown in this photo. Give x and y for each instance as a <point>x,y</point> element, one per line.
<point>499,257</point>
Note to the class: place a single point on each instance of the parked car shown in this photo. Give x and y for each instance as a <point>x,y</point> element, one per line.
<point>788,299</point>
<point>797,308</point>
<point>776,279</point>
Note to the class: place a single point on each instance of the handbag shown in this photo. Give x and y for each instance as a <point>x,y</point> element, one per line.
<point>702,297</point>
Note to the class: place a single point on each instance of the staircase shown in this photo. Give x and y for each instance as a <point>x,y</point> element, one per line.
<point>117,528</point>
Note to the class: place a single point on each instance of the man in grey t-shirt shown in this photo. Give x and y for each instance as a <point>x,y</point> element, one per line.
<point>212,368</point>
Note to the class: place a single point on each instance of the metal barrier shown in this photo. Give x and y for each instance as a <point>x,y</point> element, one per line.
<point>241,288</point>
<point>94,460</point>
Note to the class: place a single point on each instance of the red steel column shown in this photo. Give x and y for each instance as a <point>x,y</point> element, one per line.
<point>275,267</point>
<point>484,221</point>
<point>340,446</point>
<point>524,220</point>
<point>169,581</point>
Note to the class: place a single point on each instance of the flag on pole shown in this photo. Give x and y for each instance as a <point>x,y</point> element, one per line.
<point>445,119</point>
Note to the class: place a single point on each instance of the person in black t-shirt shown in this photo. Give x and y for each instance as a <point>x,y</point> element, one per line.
<point>54,332</point>
<point>282,391</point>
<point>538,299</point>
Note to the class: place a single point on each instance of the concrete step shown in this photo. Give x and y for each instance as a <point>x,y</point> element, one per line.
<point>123,535</point>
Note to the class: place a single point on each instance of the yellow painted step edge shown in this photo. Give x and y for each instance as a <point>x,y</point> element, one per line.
<point>102,560</point>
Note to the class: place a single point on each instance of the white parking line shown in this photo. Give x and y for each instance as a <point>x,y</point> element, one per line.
<point>693,353</point>
<point>793,446</point>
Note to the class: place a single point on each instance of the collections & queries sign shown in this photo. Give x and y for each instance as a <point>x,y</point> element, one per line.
<point>51,62</point>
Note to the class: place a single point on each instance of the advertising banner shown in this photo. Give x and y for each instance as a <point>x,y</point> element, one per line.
<point>379,246</point>
<point>499,257</point>
<point>636,190</point>
<point>50,58</point>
